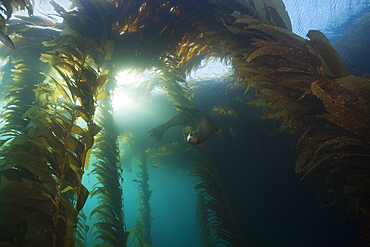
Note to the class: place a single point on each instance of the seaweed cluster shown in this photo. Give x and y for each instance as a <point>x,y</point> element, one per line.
<point>305,84</point>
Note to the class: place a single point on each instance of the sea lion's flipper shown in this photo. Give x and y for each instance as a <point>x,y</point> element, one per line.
<point>158,132</point>
<point>182,118</point>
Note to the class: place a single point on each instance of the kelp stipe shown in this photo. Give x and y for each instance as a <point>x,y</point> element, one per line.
<point>35,159</point>
<point>52,151</point>
<point>82,230</point>
<point>109,226</point>
<point>28,183</point>
<point>171,77</point>
<point>204,231</point>
<point>142,227</point>
<point>21,71</point>
<point>215,221</point>
<point>85,85</point>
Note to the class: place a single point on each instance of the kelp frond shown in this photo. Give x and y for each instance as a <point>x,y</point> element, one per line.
<point>215,222</point>
<point>140,232</point>
<point>82,230</point>
<point>51,139</point>
<point>49,157</point>
<point>109,217</point>
<point>21,72</point>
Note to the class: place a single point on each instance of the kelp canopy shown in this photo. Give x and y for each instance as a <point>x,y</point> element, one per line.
<point>301,82</point>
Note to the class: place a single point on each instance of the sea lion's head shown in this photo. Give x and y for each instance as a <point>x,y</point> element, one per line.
<point>194,138</point>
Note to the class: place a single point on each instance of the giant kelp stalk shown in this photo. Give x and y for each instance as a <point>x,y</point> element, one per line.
<point>82,84</point>
<point>142,227</point>
<point>21,71</point>
<point>44,163</point>
<point>82,230</point>
<point>54,149</point>
<point>215,221</point>
<point>109,223</point>
<point>203,228</point>
<point>28,180</point>
<point>42,168</point>
<point>20,164</point>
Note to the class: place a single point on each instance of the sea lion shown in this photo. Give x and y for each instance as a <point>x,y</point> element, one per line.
<point>198,119</point>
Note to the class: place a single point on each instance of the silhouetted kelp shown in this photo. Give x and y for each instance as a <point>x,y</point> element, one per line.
<point>142,226</point>
<point>215,222</point>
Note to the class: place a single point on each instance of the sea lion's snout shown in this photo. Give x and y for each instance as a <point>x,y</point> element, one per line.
<point>193,138</point>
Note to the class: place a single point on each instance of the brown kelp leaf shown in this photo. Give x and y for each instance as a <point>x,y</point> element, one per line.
<point>38,219</point>
<point>342,115</point>
<point>75,145</point>
<point>78,130</point>
<point>246,19</point>
<point>281,35</point>
<point>321,44</point>
<point>33,164</point>
<point>50,138</point>
<point>258,70</point>
<point>100,82</point>
<point>26,194</point>
<point>102,95</point>
<point>336,143</point>
<point>336,156</point>
<point>60,88</point>
<point>84,193</point>
<point>12,174</point>
<point>94,129</point>
<point>298,56</point>
<point>74,162</point>
<point>360,86</point>
<point>281,13</point>
<point>71,177</point>
<point>79,110</point>
<point>324,66</point>
<point>276,18</point>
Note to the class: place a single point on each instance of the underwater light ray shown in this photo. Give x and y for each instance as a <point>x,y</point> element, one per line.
<point>128,82</point>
